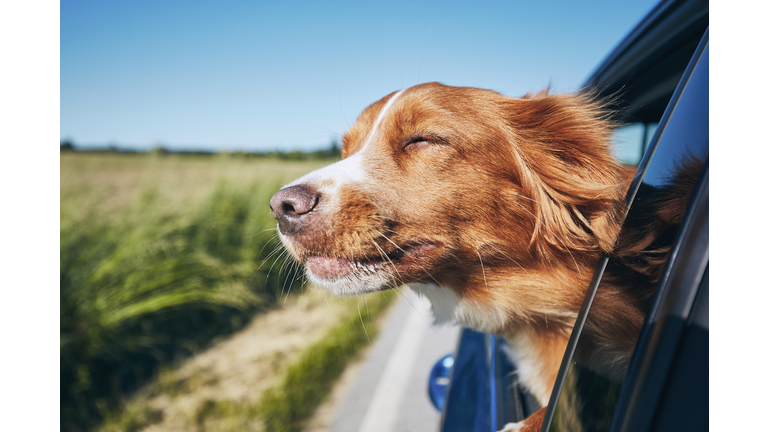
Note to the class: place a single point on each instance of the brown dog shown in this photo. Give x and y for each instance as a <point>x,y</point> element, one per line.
<point>497,209</point>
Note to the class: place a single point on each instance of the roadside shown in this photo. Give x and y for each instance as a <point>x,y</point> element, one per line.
<point>235,384</point>
<point>224,387</point>
<point>386,390</point>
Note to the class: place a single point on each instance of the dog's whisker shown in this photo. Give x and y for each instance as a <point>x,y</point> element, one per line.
<point>279,257</point>
<point>261,232</point>
<point>388,239</point>
<point>361,319</point>
<point>271,254</point>
<point>399,294</point>
<point>285,261</point>
<point>275,236</point>
<point>287,278</point>
<point>381,251</point>
<point>394,277</point>
<point>293,268</point>
<point>395,244</point>
<point>401,249</point>
<point>271,239</point>
<point>420,315</point>
<point>483,268</point>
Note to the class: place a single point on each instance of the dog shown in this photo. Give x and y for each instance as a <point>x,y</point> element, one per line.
<point>497,209</point>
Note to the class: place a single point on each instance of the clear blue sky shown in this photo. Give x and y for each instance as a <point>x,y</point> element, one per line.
<point>294,75</point>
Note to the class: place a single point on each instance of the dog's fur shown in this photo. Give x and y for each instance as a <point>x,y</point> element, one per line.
<point>495,208</point>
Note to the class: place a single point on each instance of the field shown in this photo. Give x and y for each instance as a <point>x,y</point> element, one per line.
<point>163,256</point>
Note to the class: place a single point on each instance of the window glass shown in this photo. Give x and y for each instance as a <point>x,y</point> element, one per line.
<point>650,129</point>
<point>628,143</point>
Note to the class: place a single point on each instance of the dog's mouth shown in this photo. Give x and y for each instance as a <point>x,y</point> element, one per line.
<point>402,261</point>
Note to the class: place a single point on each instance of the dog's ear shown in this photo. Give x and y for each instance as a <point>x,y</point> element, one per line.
<point>567,168</point>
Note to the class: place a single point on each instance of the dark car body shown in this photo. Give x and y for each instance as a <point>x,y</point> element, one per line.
<point>660,72</point>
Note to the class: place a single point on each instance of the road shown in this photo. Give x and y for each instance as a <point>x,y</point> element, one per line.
<point>390,392</point>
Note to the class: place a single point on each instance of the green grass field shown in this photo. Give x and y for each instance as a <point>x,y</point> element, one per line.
<point>159,255</point>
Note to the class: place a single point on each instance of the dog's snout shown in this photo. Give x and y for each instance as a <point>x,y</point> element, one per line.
<point>291,204</point>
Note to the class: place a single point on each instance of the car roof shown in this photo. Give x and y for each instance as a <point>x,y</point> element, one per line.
<point>645,67</point>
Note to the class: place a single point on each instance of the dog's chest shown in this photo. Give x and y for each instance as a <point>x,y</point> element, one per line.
<point>449,307</point>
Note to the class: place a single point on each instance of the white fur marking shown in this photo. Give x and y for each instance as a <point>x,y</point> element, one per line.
<point>448,307</point>
<point>513,427</point>
<point>528,364</point>
<point>375,128</point>
<point>349,170</point>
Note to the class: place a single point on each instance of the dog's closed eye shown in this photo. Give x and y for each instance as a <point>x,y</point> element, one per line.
<point>422,141</point>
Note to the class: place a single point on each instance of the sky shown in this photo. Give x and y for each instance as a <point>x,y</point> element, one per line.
<point>259,75</point>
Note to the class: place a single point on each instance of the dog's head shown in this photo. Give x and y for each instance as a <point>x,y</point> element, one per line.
<point>452,186</point>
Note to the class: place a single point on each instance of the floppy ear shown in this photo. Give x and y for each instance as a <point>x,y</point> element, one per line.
<point>567,168</point>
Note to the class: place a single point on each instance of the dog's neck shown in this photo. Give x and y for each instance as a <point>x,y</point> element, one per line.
<point>534,310</point>
<point>506,299</point>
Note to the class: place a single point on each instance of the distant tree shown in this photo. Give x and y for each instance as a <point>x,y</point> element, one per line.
<point>335,151</point>
<point>293,155</point>
<point>67,145</point>
<point>159,150</point>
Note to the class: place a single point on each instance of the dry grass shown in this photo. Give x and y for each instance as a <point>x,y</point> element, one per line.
<point>110,183</point>
<point>221,389</point>
<point>240,367</point>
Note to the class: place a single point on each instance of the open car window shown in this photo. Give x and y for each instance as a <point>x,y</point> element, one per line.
<point>594,387</point>
<point>631,141</point>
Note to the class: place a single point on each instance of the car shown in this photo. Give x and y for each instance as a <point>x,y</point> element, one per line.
<point>660,72</point>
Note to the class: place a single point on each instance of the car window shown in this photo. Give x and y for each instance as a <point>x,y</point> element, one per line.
<point>630,141</point>
<point>591,382</point>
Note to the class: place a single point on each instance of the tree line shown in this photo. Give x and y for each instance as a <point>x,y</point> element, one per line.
<point>333,151</point>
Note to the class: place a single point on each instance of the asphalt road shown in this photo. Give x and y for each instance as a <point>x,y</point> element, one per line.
<point>390,393</point>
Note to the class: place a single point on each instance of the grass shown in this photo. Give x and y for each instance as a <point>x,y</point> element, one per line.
<point>159,255</point>
<point>303,385</point>
<point>283,408</point>
<point>203,404</point>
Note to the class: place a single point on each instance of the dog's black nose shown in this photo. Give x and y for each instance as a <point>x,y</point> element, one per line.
<point>291,204</point>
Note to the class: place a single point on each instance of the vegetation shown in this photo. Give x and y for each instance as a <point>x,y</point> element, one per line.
<point>284,406</point>
<point>159,254</point>
<point>333,152</point>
